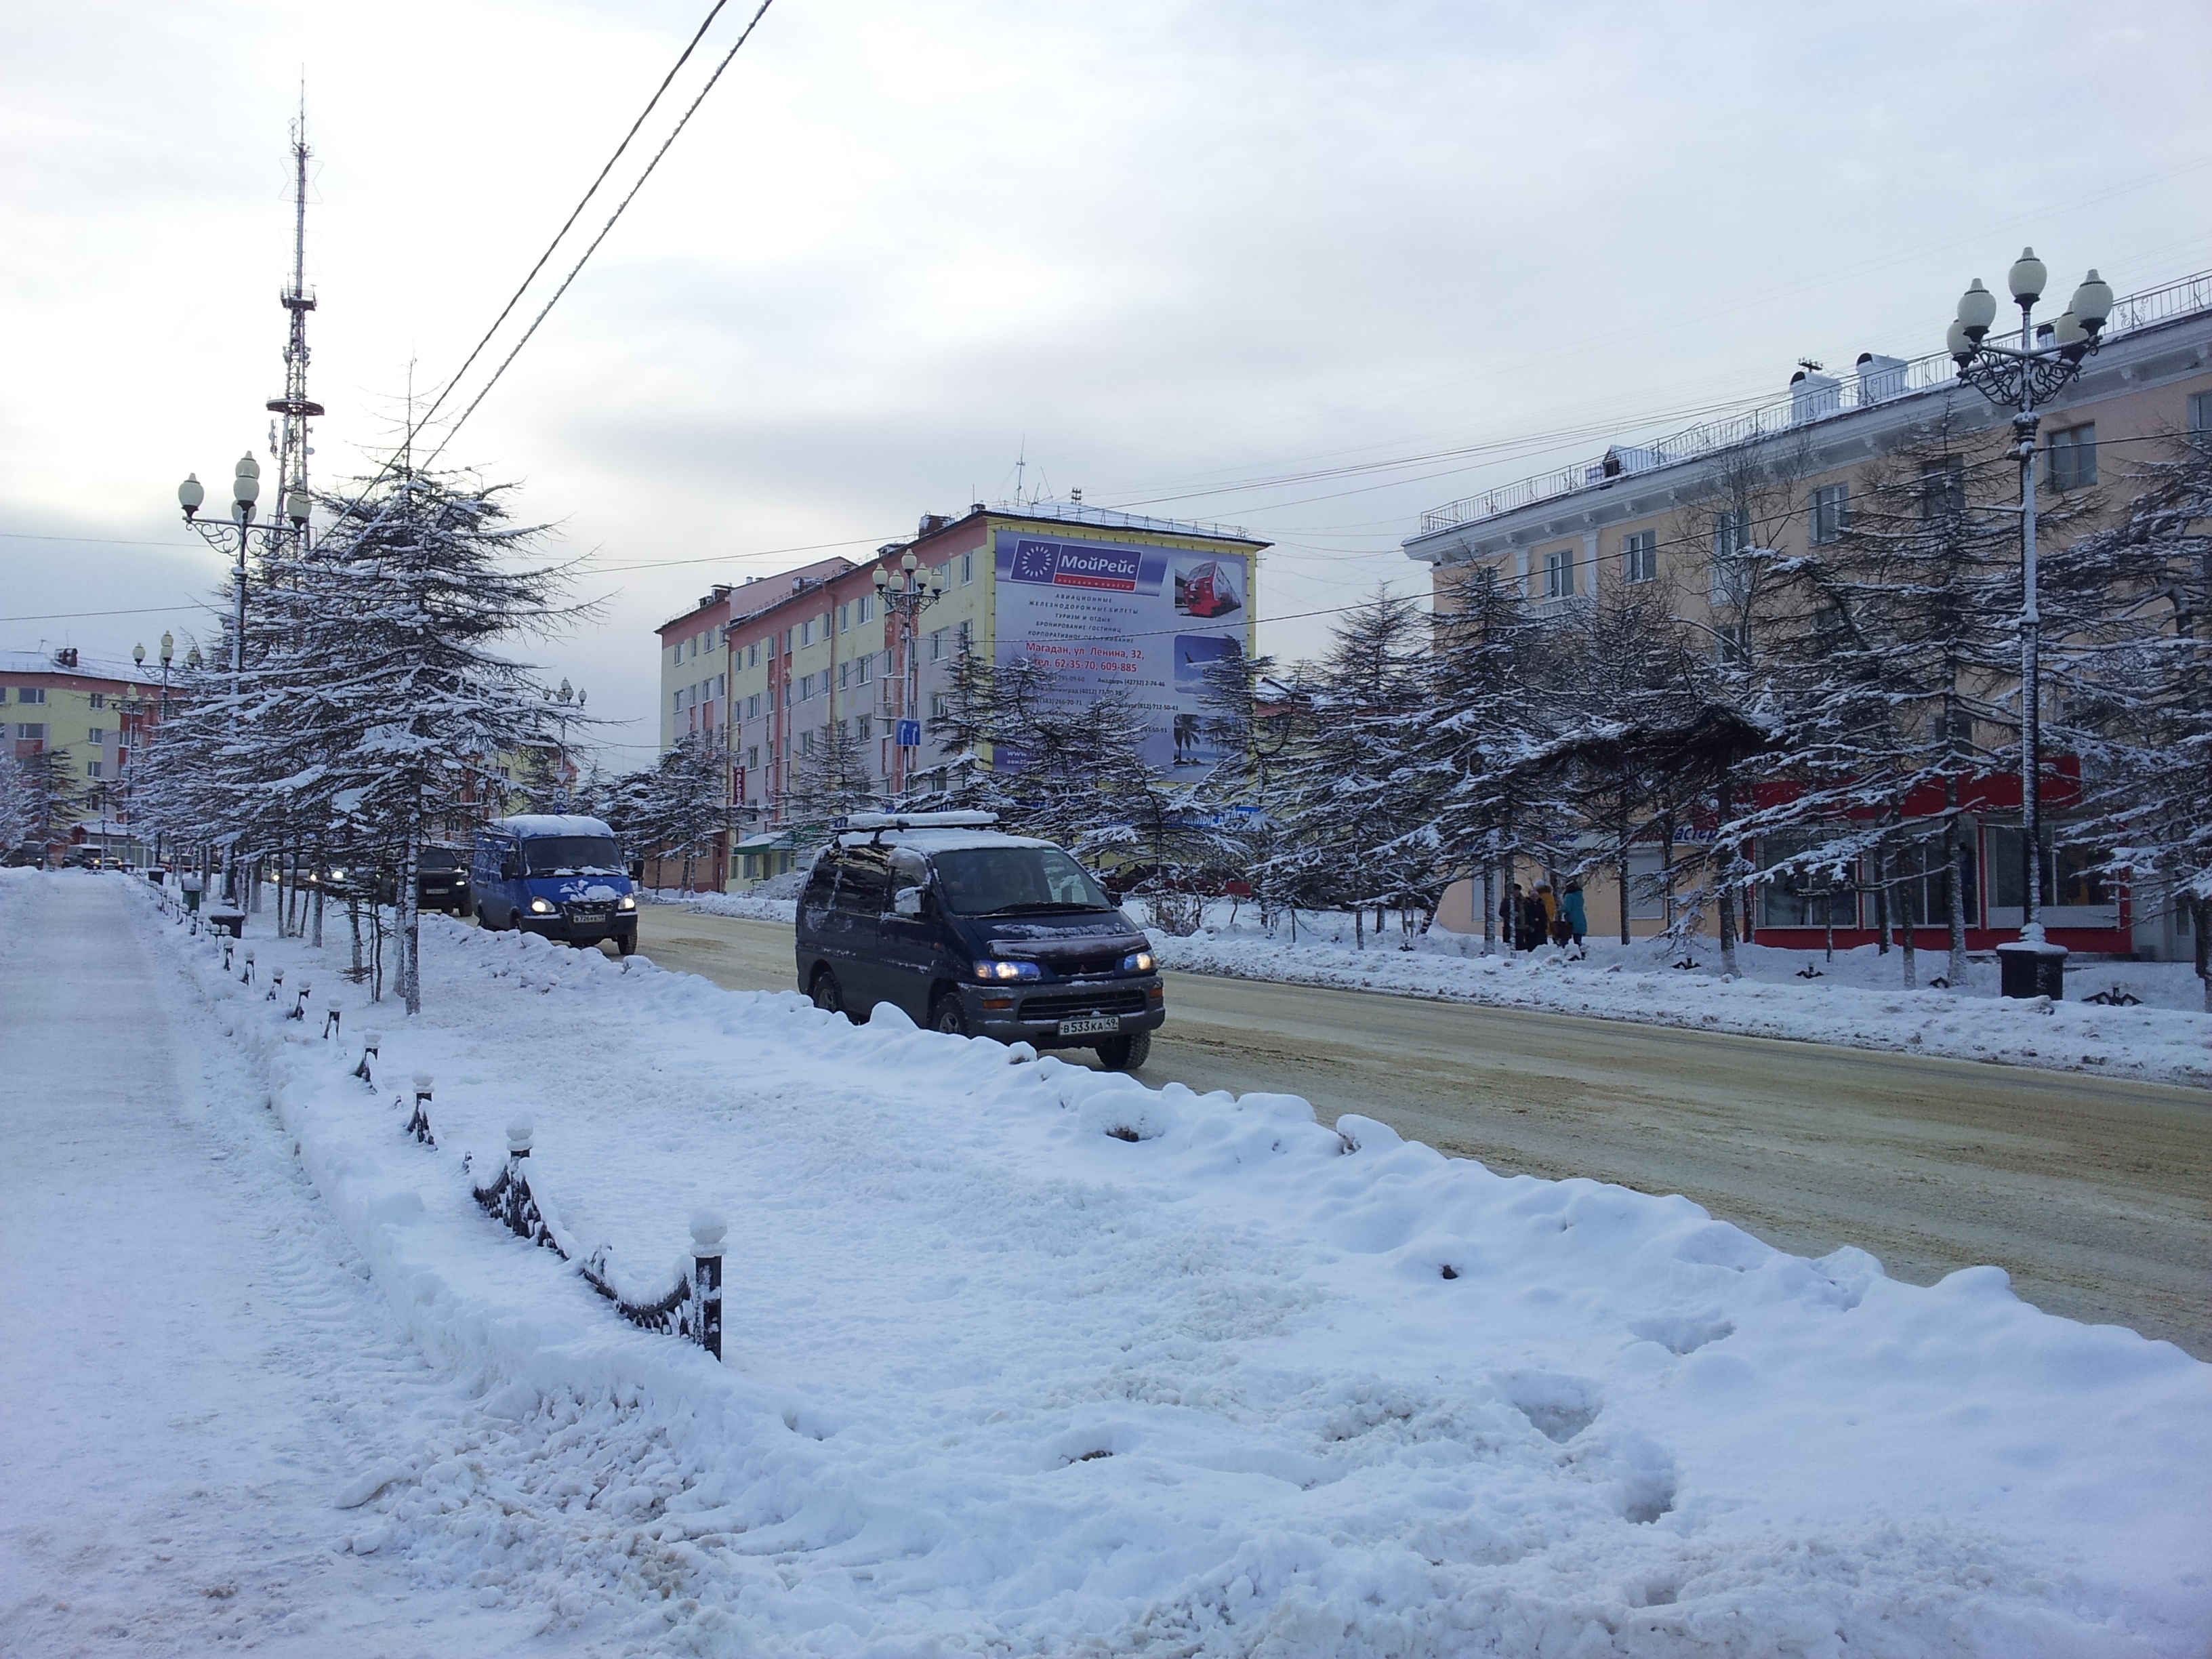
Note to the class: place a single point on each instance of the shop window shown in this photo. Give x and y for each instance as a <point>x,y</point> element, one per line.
<point>2066,876</point>
<point>1919,880</point>
<point>1805,898</point>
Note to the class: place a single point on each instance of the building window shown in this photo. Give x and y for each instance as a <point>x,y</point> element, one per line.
<point>937,706</point>
<point>1560,574</point>
<point>844,619</point>
<point>753,654</point>
<point>95,734</point>
<point>32,693</point>
<point>1731,532</point>
<point>967,568</point>
<point>1943,488</point>
<point>31,733</point>
<point>97,699</point>
<point>752,707</point>
<point>867,603</point>
<point>806,742</point>
<point>961,635</point>
<point>936,644</point>
<point>92,768</point>
<point>1639,556</point>
<point>864,727</point>
<point>2200,422</point>
<point>805,687</point>
<point>679,702</point>
<point>806,632</point>
<point>2073,456</point>
<point>1732,644</point>
<point>1831,513</point>
<point>753,757</point>
<point>863,665</point>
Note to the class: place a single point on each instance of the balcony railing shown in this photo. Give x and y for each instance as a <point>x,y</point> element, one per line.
<point>1805,406</point>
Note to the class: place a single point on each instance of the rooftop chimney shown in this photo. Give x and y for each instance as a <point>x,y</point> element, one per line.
<point>1880,377</point>
<point>1813,394</point>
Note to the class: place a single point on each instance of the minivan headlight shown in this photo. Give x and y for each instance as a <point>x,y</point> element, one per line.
<point>540,908</point>
<point>1138,961</point>
<point>628,902</point>
<point>1003,971</point>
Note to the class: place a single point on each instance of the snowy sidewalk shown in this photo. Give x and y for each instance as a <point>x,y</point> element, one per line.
<point>194,1364</point>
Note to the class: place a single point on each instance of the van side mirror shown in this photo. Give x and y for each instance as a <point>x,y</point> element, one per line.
<point>510,868</point>
<point>907,902</point>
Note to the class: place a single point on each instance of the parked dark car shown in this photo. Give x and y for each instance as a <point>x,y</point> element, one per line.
<point>562,876</point>
<point>441,880</point>
<point>976,933</point>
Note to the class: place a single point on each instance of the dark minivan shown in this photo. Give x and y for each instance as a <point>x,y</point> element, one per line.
<point>977,933</point>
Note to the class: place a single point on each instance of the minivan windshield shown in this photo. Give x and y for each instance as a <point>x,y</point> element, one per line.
<point>573,855</point>
<point>440,858</point>
<point>998,881</point>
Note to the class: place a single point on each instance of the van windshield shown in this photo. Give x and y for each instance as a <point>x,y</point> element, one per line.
<point>572,856</point>
<point>997,881</point>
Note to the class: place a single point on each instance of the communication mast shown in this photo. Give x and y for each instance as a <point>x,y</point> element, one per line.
<point>295,405</point>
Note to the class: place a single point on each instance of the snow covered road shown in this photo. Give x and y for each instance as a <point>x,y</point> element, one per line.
<point>1026,1359</point>
<point>194,1364</point>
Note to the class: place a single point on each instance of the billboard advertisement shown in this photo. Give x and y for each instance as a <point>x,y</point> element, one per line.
<point>1126,617</point>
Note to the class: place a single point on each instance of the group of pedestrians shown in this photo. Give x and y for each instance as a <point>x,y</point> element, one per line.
<point>1531,918</point>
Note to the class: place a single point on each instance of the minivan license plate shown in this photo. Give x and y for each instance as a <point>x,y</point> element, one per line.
<point>588,915</point>
<point>1096,1025</point>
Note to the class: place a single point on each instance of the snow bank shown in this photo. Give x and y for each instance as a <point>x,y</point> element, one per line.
<point>747,906</point>
<point>1031,1357</point>
<point>1857,1000</point>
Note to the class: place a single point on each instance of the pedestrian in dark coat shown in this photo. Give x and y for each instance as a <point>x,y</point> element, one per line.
<point>1533,921</point>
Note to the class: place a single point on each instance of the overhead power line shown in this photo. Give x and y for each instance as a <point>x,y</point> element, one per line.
<point>568,224</point>
<point>675,133</point>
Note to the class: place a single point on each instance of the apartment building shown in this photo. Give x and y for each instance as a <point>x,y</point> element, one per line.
<point>99,711</point>
<point>1652,513</point>
<point>773,666</point>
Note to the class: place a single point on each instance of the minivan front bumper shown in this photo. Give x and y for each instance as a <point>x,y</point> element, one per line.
<point>1036,1014</point>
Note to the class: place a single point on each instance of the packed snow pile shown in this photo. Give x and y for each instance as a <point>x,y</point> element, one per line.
<point>1859,999</point>
<point>748,906</point>
<point>1028,1358</point>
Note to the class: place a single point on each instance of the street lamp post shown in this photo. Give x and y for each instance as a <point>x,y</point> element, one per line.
<point>908,598</point>
<point>244,491</point>
<point>2020,377</point>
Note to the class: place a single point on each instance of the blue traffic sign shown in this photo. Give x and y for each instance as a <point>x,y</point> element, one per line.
<point>910,734</point>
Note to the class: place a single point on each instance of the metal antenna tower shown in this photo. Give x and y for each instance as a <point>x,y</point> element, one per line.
<point>295,405</point>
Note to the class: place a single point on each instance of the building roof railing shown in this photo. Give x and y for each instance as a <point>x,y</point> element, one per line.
<point>1813,398</point>
<point>1108,518</point>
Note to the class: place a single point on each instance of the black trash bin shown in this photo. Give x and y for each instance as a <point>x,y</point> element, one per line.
<point>2032,968</point>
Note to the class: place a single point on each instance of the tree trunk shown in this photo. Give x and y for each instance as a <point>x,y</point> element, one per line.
<point>318,902</point>
<point>1725,856</point>
<point>353,918</point>
<point>1911,968</point>
<point>1489,906</point>
<point>411,924</point>
<point>1882,904</point>
<point>1954,847</point>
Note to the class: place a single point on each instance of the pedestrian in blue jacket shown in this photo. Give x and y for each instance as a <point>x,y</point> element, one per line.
<point>1571,906</point>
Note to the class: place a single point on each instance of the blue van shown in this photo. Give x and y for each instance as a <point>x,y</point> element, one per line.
<point>559,875</point>
<point>976,933</point>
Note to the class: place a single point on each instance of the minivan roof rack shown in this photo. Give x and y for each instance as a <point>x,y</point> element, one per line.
<point>914,821</point>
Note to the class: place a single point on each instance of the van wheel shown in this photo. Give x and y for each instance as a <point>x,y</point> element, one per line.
<point>948,1016</point>
<point>1126,1054</point>
<point>829,996</point>
<point>626,944</point>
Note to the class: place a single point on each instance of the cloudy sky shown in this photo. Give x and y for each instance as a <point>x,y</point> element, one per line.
<point>1183,256</point>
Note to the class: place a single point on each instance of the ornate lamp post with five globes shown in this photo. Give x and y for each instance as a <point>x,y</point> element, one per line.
<point>2021,377</point>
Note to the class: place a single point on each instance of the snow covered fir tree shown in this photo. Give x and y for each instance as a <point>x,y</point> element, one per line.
<point>378,706</point>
